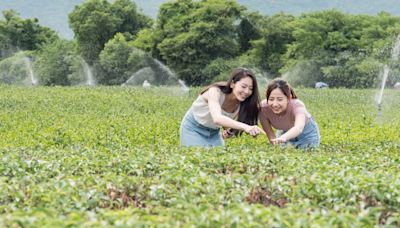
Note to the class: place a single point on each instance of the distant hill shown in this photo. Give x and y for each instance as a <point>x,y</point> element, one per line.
<point>54,13</point>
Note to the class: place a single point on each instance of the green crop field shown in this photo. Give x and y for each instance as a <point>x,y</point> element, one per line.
<point>109,156</point>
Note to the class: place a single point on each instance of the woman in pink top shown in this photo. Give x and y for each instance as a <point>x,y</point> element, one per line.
<point>283,111</point>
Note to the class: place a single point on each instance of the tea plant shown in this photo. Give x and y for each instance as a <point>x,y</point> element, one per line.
<point>109,156</point>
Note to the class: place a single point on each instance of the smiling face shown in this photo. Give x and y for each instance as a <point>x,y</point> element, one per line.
<point>242,89</point>
<point>278,101</point>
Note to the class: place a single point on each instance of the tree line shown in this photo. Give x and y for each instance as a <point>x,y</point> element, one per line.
<point>201,41</point>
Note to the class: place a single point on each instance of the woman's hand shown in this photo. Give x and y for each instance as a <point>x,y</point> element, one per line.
<point>253,130</point>
<point>227,133</point>
<point>278,140</point>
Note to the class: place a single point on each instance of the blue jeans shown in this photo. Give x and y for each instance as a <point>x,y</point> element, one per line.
<point>309,138</point>
<point>194,134</point>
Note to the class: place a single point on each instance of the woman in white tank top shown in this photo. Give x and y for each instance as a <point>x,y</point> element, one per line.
<point>233,104</point>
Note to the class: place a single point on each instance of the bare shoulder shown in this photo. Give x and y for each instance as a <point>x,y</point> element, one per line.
<point>214,89</point>
<point>213,93</point>
<point>298,103</point>
<point>298,107</point>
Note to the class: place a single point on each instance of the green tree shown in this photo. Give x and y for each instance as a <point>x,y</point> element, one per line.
<point>95,22</point>
<point>55,64</point>
<point>219,69</point>
<point>119,59</point>
<point>22,34</point>
<point>345,49</point>
<point>352,70</point>
<point>276,34</point>
<point>249,29</point>
<point>192,34</point>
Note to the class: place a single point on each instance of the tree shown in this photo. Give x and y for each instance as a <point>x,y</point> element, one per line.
<point>345,49</point>
<point>95,22</point>
<point>55,64</point>
<point>119,59</point>
<point>249,29</point>
<point>131,20</point>
<point>352,70</point>
<point>276,35</point>
<point>22,34</point>
<point>191,34</point>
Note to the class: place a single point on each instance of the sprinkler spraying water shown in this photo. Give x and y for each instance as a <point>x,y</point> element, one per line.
<point>394,57</point>
<point>183,86</point>
<point>379,110</point>
<point>90,81</point>
<point>384,78</point>
<point>155,73</point>
<point>33,79</point>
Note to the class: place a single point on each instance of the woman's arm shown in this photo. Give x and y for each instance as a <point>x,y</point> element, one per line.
<point>296,130</point>
<point>213,95</point>
<point>266,125</point>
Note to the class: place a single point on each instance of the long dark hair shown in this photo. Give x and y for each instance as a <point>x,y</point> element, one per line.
<point>248,112</point>
<point>283,85</point>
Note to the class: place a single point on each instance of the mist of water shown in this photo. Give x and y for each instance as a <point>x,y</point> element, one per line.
<point>164,68</point>
<point>138,78</point>
<point>183,85</point>
<point>303,74</point>
<point>155,73</point>
<point>386,70</point>
<point>29,71</point>
<point>90,81</point>
<point>384,79</point>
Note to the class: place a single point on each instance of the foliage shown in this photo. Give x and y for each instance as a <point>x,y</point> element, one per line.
<point>189,35</point>
<point>145,40</point>
<point>55,64</point>
<point>276,35</point>
<point>22,34</point>
<point>109,156</point>
<point>201,40</point>
<point>249,30</point>
<point>53,13</point>
<point>119,59</point>
<point>218,70</point>
<point>95,22</point>
<point>338,44</point>
<point>352,71</point>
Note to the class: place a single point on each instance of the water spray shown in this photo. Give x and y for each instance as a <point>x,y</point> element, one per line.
<point>380,95</point>
<point>394,57</point>
<point>379,109</point>
<point>34,80</point>
<point>90,80</point>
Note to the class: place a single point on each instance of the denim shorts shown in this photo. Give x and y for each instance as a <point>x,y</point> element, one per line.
<point>309,138</point>
<point>194,134</point>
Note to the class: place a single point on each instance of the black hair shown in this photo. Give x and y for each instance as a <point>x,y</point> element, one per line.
<point>283,85</point>
<point>249,108</point>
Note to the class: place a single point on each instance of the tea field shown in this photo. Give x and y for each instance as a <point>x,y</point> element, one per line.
<point>109,157</point>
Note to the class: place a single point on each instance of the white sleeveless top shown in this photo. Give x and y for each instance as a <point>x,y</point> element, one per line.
<point>202,115</point>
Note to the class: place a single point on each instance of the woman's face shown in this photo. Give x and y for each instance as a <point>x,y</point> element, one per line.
<point>242,89</point>
<point>278,101</point>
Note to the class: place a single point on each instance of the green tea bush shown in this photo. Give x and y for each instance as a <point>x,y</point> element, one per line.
<point>110,156</point>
